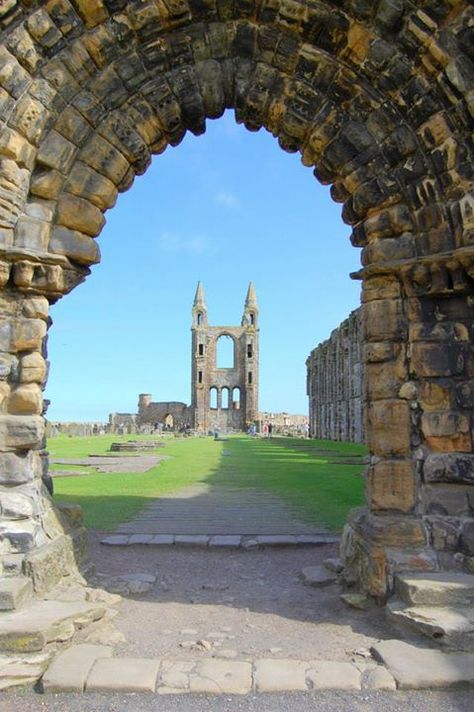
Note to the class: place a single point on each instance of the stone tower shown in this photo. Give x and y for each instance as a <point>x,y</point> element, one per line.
<point>224,395</point>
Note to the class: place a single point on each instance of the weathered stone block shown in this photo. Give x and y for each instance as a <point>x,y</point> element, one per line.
<point>33,368</point>
<point>435,395</point>
<point>48,564</point>
<point>21,536</point>
<point>27,335</point>
<point>92,12</point>
<point>79,214</point>
<point>17,504</point>
<point>432,359</point>
<point>86,183</point>
<point>365,565</point>
<point>383,380</point>
<point>46,183</point>
<point>389,428</point>
<point>448,500</point>
<point>32,234</point>
<point>78,247</point>
<point>383,320</point>
<point>56,152</point>
<point>36,308</point>
<point>104,158</point>
<point>29,118</point>
<point>14,591</point>
<point>16,469</point>
<point>449,467</point>
<point>445,532</point>
<point>377,352</point>
<point>446,431</point>
<point>389,530</point>
<point>26,400</point>
<point>43,29</point>
<point>21,432</point>
<point>72,126</point>
<point>392,485</point>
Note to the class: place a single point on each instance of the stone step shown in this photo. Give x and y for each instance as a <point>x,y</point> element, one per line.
<point>436,589</point>
<point>450,626</point>
<point>15,591</point>
<point>243,541</point>
<point>417,668</point>
<point>31,628</point>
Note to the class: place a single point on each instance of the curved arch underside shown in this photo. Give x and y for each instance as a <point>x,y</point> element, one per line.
<point>371,94</point>
<point>376,96</point>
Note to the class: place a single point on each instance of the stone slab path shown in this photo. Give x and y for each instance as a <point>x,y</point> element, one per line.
<point>91,669</point>
<point>215,511</point>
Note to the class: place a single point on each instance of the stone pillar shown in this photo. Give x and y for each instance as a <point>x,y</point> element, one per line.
<point>419,394</point>
<point>33,539</point>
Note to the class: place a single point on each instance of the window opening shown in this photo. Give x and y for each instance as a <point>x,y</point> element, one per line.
<point>213,398</point>
<point>225,398</point>
<point>236,398</point>
<point>225,352</point>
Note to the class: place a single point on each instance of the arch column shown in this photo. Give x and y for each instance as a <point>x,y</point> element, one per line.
<point>36,538</point>
<point>419,363</point>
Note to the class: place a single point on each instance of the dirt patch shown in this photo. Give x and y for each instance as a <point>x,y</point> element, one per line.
<point>244,604</point>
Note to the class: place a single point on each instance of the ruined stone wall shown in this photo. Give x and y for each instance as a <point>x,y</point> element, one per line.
<point>150,413</point>
<point>75,429</point>
<point>335,384</point>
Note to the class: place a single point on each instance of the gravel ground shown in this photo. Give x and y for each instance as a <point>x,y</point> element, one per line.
<point>245,604</point>
<point>422,701</point>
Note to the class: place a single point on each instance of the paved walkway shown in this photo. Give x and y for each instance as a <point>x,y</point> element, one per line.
<point>215,510</point>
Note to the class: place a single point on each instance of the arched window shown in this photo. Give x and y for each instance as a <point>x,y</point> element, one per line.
<point>199,318</point>
<point>225,351</point>
<point>213,398</point>
<point>236,398</point>
<point>225,398</point>
<point>252,318</point>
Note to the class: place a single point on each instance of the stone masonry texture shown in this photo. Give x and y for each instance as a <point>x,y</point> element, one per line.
<point>377,97</point>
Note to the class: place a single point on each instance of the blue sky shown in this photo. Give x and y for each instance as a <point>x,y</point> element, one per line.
<point>224,208</point>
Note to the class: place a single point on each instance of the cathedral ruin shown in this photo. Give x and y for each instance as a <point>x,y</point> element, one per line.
<point>224,397</point>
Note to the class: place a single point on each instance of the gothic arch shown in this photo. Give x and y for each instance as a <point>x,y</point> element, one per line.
<point>377,96</point>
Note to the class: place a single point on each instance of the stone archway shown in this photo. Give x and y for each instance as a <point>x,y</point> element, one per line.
<point>377,96</point>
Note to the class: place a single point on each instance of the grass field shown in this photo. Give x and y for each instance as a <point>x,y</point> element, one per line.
<point>313,474</point>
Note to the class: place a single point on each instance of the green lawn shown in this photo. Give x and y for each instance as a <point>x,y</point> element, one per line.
<point>303,472</point>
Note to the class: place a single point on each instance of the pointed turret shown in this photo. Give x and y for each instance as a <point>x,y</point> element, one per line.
<point>199,306</point>
<point>251,298</point>
<point>251,307</point>
<point>199,299</point>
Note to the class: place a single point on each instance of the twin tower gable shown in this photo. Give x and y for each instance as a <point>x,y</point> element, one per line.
<point>225,394</point>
